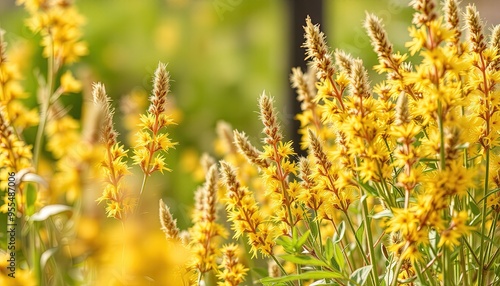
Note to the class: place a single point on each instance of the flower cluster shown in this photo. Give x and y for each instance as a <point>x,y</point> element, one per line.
<point>151,139</point>
<point>119,202</point>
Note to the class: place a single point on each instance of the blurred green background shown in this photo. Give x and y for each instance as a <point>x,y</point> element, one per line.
<point>219,60</point>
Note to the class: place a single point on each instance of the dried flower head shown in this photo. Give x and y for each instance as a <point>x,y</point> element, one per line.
<point>119,202</point>
<point>402,111</point>
<point>474,25</point>
<point>161,87</point>
<point>425,11</point>
<point>102,101</point>
<point>317,50</point>
<point>151,142</point>
<point>344,61</point>
<point>270,120</point>
<point>246,148</point>
<point>379,39</point>
<point>359,80</point>
<point>168,224</point>
<point>452,19</point>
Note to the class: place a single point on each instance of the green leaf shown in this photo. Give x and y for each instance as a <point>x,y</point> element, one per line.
<point>302,276</point>
<point>303,259</point>
<point>260,272</point>
<point>329,249</point>
<point>30,198</point>
<point>371,190</point>
<point>474,208</point>
<point>384,251</point>
<point>314,228</point>
<point>48,211</point>
<point>384,213</point>
<point>286,242</point>
<point>359,276</point>
<point>302,240</point>
<point>338,256</point>
<point>44,258</point>
<point>340,234</point>
<point>360,232</point>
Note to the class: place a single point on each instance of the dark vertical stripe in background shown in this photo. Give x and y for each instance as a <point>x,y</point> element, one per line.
<point>299,9</point>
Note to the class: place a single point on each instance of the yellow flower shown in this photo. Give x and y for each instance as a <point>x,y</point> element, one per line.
<point>458,227</point>
<point>69,83</point>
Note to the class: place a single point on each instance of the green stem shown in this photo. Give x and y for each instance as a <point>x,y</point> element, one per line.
<point>444,266</point>
<point>123,250</point>
<point>441,136</point>
<point>495,256</point>
<point>45,105</point>
<point>318,225</point>
<point>463,268</point>
<point>482,255</point>
<point>419,272</point>
<point>35,255</point>
<point>471,251</point>
<point>281,267</point>
<point>358,243</point>
<point>396,273</point>
<point>368,232</point>
<point>143,186</point>
<point>491,235</point>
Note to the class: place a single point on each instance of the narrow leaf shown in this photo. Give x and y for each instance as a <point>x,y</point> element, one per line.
<point>360,276</point>
<point>48,211</point>
<point>340,234</point>
<point>302,239</point>
<point>302,276</point>
<point>303,259</point>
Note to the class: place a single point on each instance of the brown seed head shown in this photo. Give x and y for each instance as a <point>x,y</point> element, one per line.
<point>3,48</point>
<point>246,148</point>
<point>317,50</point>
<point>425,11</point>
<point>475,27</point>
<point>451,12</point>
<point>161,87</point>
<point>344,61</point>
<point>379,40</point>
<point>359,80</point>
<point>101,99</point>
<point>225,134</point>
<point>402,112</point>
<point>318,152</point>
<point>168,224</point>
<point>269,119</point>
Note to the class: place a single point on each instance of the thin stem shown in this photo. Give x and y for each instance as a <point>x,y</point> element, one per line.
<point>280,267</point>
<point>471,251</point>
<point>46,101</point>
<point>495,256</point>
<point>358,243</point>
<point>463,268</point>
<point>123,250</point>
<point>419,272</point>
<point>143,186</point>
<point>368,232</point>
<point>482,256</point>
<point>441,136</point>
<point>444,266</point>
<point>318,225</point>
<point>343,247</point>
<point>491,235</point>
<point>398,267</point>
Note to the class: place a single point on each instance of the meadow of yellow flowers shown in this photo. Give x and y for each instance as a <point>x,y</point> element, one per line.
<point>400,185</point>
